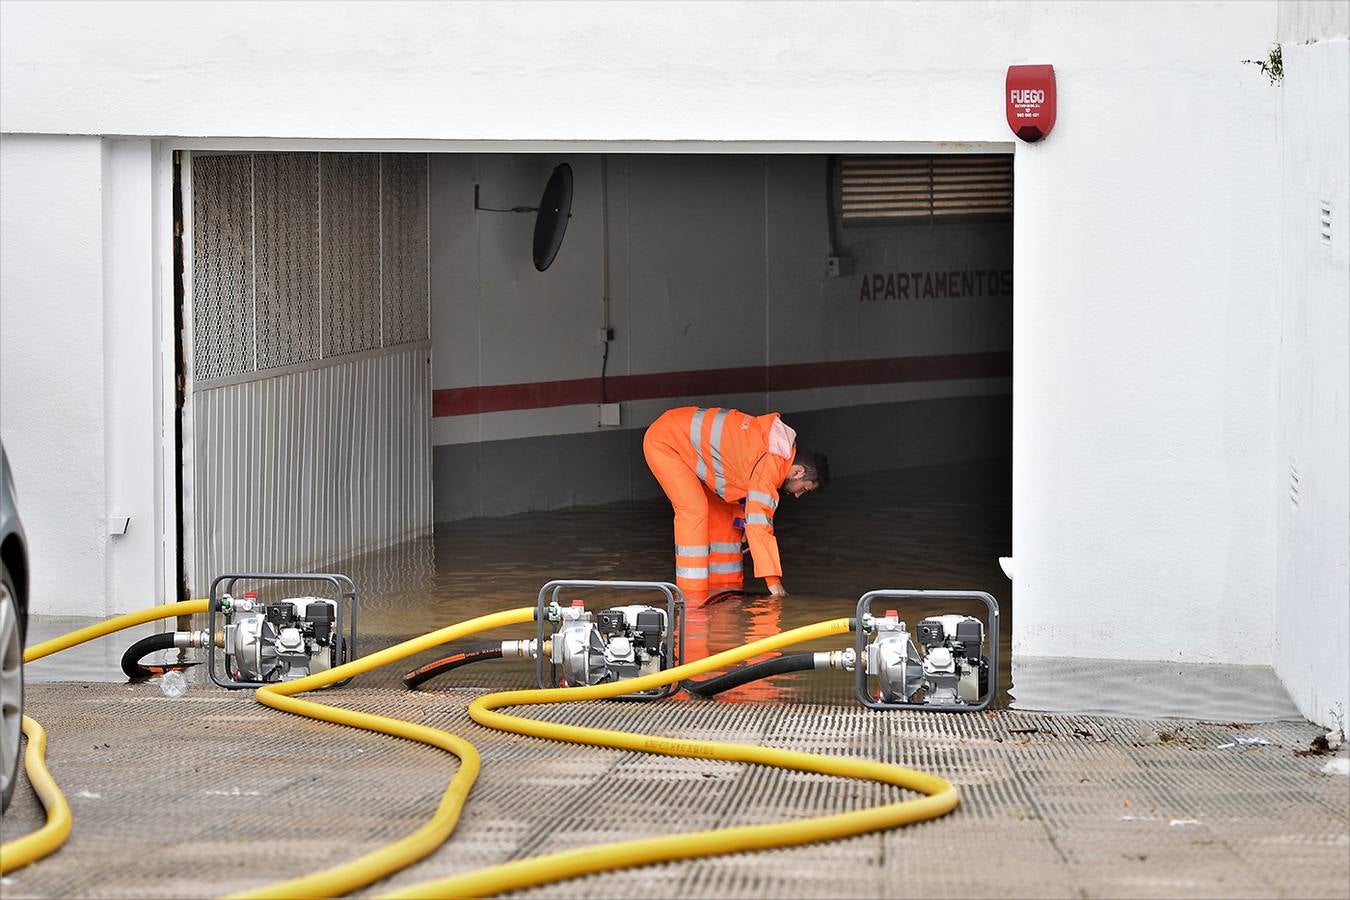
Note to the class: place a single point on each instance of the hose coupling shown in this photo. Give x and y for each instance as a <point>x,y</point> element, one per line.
<point>836,659</point>
<point>185,639</point>
<point>526,649</point>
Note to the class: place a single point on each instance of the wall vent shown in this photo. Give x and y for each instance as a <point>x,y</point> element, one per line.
<point>1325,209</point>
<point>1293,484</point>
<point>889,189</point>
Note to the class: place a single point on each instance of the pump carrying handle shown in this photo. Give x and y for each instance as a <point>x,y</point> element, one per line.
<point>860,647</point>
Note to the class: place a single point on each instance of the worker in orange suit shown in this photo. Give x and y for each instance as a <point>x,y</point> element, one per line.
<point>723,471</point>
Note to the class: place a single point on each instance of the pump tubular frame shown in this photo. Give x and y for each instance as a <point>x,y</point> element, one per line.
<point>344,591</point>
<point>543,629</point>
<point>860,649</point>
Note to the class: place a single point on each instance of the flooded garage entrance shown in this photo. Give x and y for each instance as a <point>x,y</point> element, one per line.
<point>931,528</point>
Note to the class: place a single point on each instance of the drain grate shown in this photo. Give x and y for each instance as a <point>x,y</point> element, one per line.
<point>169,796</point>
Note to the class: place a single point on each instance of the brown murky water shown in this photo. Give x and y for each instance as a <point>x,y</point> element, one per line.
<point>939,528</point>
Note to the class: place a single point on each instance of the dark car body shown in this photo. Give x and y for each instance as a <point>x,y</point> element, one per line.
<point>13,629</point>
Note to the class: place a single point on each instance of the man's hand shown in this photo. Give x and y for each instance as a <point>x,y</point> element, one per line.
<point>777,590</point>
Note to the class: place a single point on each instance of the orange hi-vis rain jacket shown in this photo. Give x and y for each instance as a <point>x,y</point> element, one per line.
<point>708,461</point>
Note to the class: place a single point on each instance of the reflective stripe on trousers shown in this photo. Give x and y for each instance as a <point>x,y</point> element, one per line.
<point>725,566</point>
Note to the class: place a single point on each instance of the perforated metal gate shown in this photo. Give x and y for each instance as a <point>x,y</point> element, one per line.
<point>309,419</point>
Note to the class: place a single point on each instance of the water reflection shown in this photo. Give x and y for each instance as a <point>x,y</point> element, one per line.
<point>939,528</point>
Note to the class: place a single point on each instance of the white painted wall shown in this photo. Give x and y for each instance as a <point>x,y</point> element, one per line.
<point>80,367</point>
<point>1311,479</point>
<point>51,325</point>
<point>1146,319</point>
<point>133,397</point>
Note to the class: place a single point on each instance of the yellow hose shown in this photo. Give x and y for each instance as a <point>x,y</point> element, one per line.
<point>31,847</point>
<point>942,796</point>
<point>539,870</point>
<point>116,623</point>
<point>404,852</point>
<point>49,838</point>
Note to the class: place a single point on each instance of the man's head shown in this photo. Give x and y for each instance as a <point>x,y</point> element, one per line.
<point>810,471</point>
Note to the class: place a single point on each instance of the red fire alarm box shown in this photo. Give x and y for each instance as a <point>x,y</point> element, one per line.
<point>1030,99</point>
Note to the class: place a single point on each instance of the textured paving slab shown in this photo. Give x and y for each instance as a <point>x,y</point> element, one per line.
<point>213,793</point>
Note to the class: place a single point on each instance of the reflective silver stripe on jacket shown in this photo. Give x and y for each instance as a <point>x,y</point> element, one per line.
<point>759,497</point>
<point>721,547</point>
<point>725,568</point>
<point>758,519</point>
<point>691,572</point>
<point>715,444</point>
<point>695,430</point>
<point>691,550</point>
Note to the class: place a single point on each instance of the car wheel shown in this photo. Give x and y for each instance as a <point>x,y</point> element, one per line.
<point>11,686</point>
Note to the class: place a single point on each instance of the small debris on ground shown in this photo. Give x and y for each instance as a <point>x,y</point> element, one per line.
<point>1318,746</point>
<point>1166,736</point>
<point>1184,821</point>
<point>1246,742</point>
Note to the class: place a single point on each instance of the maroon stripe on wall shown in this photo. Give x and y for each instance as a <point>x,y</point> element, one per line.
<point>706,382</point>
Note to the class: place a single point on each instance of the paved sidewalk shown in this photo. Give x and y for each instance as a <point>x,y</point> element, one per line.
<point>212,793</point>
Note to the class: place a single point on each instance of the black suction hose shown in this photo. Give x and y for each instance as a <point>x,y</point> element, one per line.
<point>779,665</point>
<point>131,660</point>
<point>454,661</point>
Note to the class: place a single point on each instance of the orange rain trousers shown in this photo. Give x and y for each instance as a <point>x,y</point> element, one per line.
<point>708,556</point>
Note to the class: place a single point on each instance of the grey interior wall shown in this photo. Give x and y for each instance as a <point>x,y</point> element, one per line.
<point>498,478</point>
<point>713,262</point>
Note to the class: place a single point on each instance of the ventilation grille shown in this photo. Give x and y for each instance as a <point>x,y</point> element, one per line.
<point>1325,223</point>
<point>286,208</point>
<point>404,250</point>
<point>351,252</point>
<point>222,265</point>
<point>876,189</point>
<point>300,257</point>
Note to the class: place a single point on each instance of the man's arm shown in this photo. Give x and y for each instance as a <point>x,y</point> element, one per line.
<point>761,502</point>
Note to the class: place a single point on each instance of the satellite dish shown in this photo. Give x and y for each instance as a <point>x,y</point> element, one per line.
<point>550,223</point>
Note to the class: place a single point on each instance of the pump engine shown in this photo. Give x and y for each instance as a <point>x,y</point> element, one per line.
<point>950,671</point>
<point>279,641</point>
<point>616,643</point>
<point>941,665</point>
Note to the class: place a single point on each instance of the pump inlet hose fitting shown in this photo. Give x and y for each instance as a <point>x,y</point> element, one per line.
<point>46,840</point>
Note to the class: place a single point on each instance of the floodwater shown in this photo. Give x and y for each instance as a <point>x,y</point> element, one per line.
<point>937,528</point>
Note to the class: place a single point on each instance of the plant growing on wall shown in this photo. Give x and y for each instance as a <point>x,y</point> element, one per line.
<point>1273,65</point>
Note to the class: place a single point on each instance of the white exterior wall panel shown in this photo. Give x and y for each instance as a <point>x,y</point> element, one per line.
<point>1311,477</point>
<point>1146,471</point>
<point>301,469</point>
